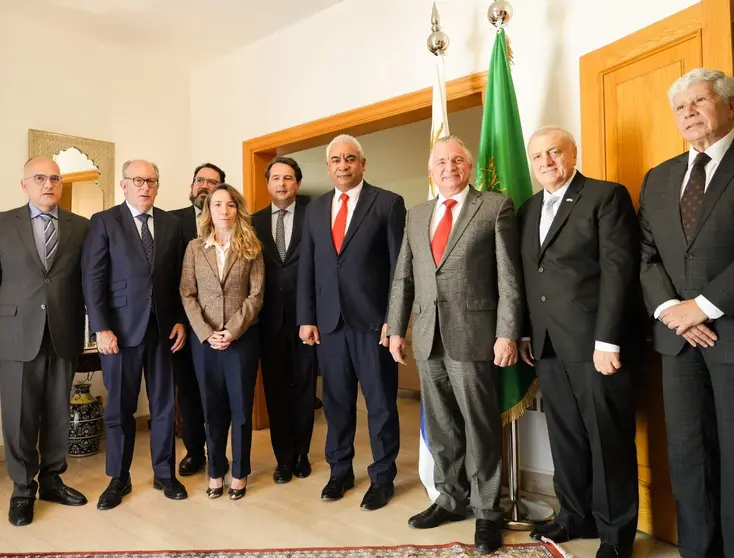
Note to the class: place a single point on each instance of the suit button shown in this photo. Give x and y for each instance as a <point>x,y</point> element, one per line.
<point>338,266</point>
<point>543,298</point>
<point>281,289</point>
<point>47,281</point>
<point>43,306</point>
<point>540,270</point>
<point>438,272</point>
<point>689,256</point>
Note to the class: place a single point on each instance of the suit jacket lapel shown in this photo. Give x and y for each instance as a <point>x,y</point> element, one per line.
<point>564,210</point>
<point>125,218</point>
<point>228,263</point>
<point>64,232</point>
<point>325,217</point>
<point>471,205</point>
<point>267,222</point>
<point>719,182</point>
<point>296,232</point>
<point>161,232</point>
<point>366,198</point>
<point>532,224</point>
<point>25,229</point>
<point>210,255</point>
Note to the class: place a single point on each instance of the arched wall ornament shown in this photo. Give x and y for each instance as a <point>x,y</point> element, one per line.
<point>102,153</point>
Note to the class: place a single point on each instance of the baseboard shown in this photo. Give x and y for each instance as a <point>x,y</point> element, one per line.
<point>409,394</point>
<point>141,423</point>
<point>537,482</point>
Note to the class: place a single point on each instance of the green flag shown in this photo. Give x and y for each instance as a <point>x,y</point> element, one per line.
<point>502,167</point>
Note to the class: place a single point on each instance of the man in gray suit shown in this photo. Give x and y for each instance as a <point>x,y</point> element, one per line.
<point>459,272</point>
<point>41,337</point>
<point>687,274</point>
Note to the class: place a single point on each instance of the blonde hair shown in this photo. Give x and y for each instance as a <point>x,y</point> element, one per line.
<point>243,239</point>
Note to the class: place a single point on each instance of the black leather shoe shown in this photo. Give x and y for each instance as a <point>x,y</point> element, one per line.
<point>282,474</point>
<point>336,487</point>
<point>559,533</point>
<point>172,488</point>
<point>377,496</point>
<point>21,511</point>
<point>434,516</point>
<point>607,550</point>
<point>191,464</point>
<point>112,496</point>
<point>302,467</point>
<point>488,536</point>
<point>62,494</point>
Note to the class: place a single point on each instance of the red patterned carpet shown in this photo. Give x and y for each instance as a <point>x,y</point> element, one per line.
<point>451,550</point>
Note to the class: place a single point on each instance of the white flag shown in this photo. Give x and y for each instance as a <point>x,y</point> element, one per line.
<point>439,117</point>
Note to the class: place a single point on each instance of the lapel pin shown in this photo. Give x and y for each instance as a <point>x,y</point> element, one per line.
<point>569,199</point>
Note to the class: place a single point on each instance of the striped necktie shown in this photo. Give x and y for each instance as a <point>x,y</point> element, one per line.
<point>50,237</point>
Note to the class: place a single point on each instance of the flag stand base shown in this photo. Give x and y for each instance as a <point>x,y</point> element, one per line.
<point>521,513</point>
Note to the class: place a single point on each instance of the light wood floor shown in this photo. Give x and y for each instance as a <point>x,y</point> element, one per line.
<point>269,516</point>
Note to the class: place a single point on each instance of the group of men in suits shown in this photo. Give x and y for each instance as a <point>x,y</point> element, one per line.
<point>559,285</point>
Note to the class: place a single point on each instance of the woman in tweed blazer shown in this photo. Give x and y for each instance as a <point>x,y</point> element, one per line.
<point>222,293</point>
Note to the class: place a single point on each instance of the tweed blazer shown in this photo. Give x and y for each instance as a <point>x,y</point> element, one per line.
<point>475,293</point>
<point>232,303</point>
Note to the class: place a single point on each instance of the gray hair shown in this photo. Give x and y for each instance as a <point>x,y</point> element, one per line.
<point>545,130</point>
<point>126,164</point>
<point>723,84</point>
<point>344,138</point>
<point>451,139</point>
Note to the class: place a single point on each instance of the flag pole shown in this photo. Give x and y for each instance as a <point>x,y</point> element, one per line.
<point>521,512</point>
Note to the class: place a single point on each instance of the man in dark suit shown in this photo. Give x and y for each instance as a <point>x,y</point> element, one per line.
<point>288,365</point>
<point>686,208</point>
<point>580,253</point>
<point>349,247</point>
<point>131,273</point>
<point>206,177</point>
<point>458,274</point>
<point>41,337</point>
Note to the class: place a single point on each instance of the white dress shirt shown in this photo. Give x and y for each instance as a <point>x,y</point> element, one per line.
<point>138,224</point>
<point>716,152</point>
<point>222,252</point>
<point>287,221</point>
<point>560,194</point>
<point>351,204</point>
<point>557,195</point>
<point>440,209</point>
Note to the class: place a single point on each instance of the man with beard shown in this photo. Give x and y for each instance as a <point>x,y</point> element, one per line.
<point>206,177</point>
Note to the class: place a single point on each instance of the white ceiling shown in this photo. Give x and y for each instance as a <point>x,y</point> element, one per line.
<point>187,32</point>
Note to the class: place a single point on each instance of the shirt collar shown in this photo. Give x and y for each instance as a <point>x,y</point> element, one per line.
<point>460,197</point>
<point>135,212</point>
<point>211,242</point>
<point>715,151</point>
<point>290,209</point>
<point>561,191</point>
<point>35,212</point>
<point>197,211</point>
<point>353,193</point>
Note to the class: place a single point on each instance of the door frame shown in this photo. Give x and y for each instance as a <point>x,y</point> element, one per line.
<point>462,93</point>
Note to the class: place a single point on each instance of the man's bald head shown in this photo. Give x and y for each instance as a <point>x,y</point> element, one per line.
<point>42,182</point>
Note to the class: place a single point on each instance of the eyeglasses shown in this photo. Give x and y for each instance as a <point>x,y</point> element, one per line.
<point>41,179</point>
<point>199,181</point>
<point>138,181</point>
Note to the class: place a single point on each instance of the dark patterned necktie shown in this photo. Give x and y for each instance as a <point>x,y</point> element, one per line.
<point>692,198</point>
<point>50,238</point>
<point>146,237</point>
<point>280,234</point>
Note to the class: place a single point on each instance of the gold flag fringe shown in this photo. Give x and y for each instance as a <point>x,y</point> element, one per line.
<point>521,406</point>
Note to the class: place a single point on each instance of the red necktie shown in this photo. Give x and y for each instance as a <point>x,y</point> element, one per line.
<point>340,224</point>
<point>441,236</point>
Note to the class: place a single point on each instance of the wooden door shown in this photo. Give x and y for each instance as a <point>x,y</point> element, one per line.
<point>627,128</point>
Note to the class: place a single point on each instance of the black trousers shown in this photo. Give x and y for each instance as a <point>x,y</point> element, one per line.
<point>189,402</point>
<point>122,374</point>
<point>227,382</point>
<point>591,426</point>
<point>34,398</point>
<point>699,413</point>
<point>347,357</point>
<point>289,380</point>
